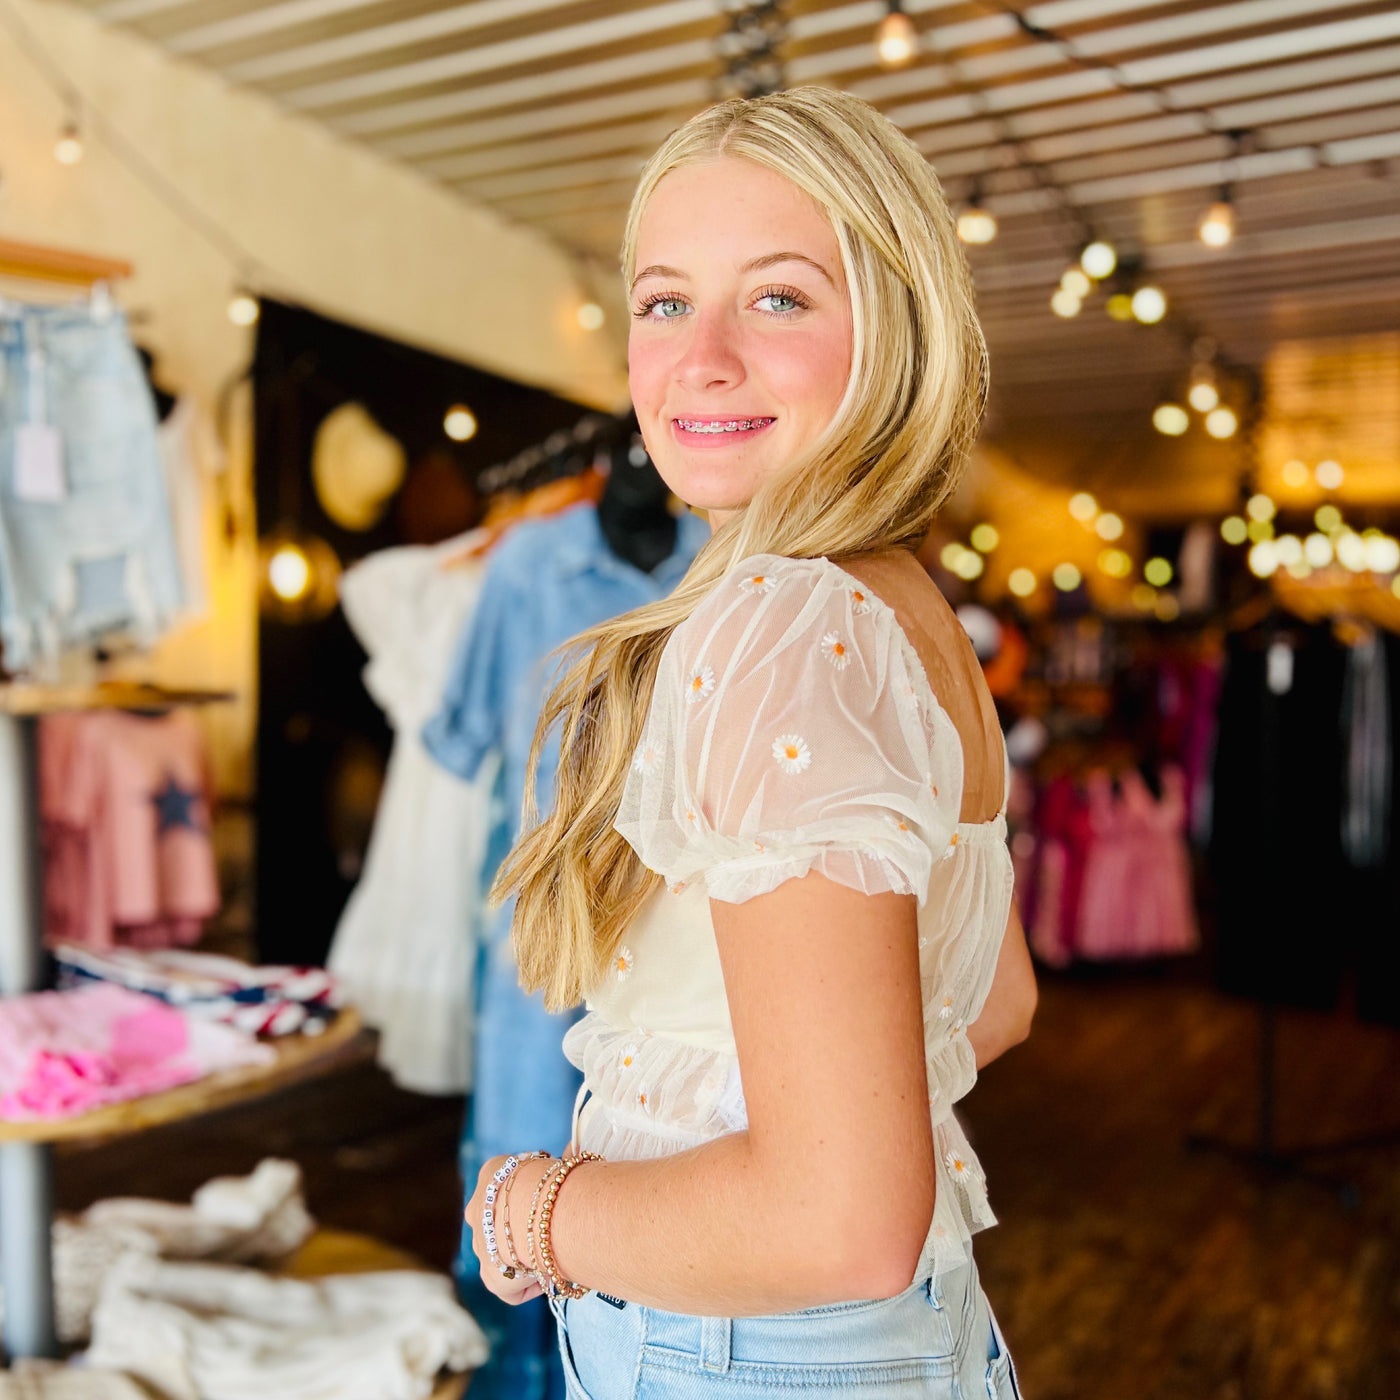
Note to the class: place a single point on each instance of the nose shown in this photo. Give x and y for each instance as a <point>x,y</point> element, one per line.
<point>711,358</point>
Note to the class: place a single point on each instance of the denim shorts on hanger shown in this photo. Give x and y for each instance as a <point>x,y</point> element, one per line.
<point>937,1340</point>
<point>101,558</point>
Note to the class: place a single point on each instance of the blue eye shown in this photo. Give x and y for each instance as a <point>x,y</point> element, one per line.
<point>671,308</point>
<point>791,302</point>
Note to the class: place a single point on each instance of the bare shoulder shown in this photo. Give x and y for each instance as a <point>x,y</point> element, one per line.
<point>897,578</point>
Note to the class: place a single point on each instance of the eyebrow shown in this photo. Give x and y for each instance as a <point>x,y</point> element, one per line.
<point>753,265</point>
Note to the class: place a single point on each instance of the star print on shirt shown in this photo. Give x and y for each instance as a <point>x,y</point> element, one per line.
<point>175,807</point>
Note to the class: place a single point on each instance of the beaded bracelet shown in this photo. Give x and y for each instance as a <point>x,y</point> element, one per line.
<point>533,1265</point>
<point>513,1264</point>
<point>488,1214</point>
<point>554,1285</point>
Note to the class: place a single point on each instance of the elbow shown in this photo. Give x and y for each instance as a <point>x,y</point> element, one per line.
<point>881,1256</point>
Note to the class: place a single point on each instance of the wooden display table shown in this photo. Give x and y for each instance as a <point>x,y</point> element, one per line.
<point>341,1252</point>
<point>299,1057</point>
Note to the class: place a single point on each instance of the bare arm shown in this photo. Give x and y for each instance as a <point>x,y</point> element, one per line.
<point>829,1194</point>
<point>1006,1018</point>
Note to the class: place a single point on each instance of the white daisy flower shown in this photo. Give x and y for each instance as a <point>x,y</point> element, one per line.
<point>898,823</point>
<point>836,651</point>
<point>644,1099</point>
<point>645,758</point>
<point>961,1168</point>
<point>622,964</point>
<point>945,1011</point>
<point>700,686</point>
<point>678,887</point>
<point>758,583</point>
<point>628,1057</point>
<point>957,1030</point>
<point>792,753</point>
<point>860,601</point>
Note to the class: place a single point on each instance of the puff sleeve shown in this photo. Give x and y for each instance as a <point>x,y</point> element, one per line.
<point>792,729</point>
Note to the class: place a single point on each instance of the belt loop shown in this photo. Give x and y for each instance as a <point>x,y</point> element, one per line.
<point>935,1293</point>
<point>715,1339</point>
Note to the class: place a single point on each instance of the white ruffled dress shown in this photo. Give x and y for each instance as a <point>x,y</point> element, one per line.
<point>792,728</point>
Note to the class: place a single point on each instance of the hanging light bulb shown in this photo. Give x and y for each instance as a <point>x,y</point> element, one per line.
<point>69,148</point>
<point>1221,422</point>
<point>590,316</point>
<point>1233,529</point>
<point>896,39</point>
<point>1083,507</point>
<point>1119,306</point>
<point>1021,582</point>
<point>243,309</point>
<point>1203,395</point>
<point>1329,475</point>
<point>1295,473</point>
<point>1149,304</point>
<point>1217,225</point>
<point>1065,304</point>
<point>1098,259</point>
<point>459,423</point>
<point>976,224</point>
<point>1170,419</point>
<point>1076,282</point>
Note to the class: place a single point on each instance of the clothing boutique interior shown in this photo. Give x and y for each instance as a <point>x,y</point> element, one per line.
<point>315,442</point>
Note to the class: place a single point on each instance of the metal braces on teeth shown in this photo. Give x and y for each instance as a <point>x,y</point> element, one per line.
<point>736,425</point>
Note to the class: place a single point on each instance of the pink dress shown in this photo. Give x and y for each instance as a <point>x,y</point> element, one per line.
<point>1136,897</point>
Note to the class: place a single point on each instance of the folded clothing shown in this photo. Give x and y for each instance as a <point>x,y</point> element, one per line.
<point>220,1332</point>
<point>256,1219</point>
<point>260,1000</point>
<point>65,1053</point>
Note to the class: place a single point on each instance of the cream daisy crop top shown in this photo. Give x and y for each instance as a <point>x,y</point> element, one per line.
<point>792,728</point>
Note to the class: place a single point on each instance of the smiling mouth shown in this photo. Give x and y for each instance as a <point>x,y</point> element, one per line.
<point>722,425</point>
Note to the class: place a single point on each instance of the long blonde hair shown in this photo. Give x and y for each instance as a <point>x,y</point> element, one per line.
<point>874,480</point>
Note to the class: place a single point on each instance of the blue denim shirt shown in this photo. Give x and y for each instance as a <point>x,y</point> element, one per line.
<point>547,581</point>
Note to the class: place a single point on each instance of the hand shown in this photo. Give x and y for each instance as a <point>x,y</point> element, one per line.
<point>522,1287</point>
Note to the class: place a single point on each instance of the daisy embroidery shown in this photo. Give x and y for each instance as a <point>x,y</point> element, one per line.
<point>957,1030</point>
<point>835,651</point>
<point>700,685</point>
<point>644,758</point>
<point>678,887</point>
<point>792,753</point>
<point>643,1100</point>
<point>945,1011</point>
<point>622,965</point>
<point>758,583</point>
<point>962,1169</point>
<point>628,1057</point>
<point>860,601</point>
<point>898,823</point>
<point>690,817</point>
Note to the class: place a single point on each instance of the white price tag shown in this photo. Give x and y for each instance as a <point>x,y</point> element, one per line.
<point>39,464</point>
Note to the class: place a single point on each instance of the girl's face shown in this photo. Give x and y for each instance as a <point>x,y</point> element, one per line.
<point>740,346</point>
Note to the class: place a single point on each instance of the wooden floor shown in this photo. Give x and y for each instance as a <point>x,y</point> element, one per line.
<point>1127,1267</point>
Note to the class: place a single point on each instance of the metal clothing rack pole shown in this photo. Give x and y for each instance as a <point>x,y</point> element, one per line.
<point>26,1178</point>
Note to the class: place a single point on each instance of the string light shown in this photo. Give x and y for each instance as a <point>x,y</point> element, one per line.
<point>1221,422</point>
<point>1166,607</point>
<point>243,309</point>
<point>1076,283</point>
<point>69,148</point>
<point>1149,304</point>
<point>1260,507</point>
<point>1066,577</point>
<point>1263,559</point>
<point>1350,550</point>
<point>1109,526</point>
<point>1170,419</point>
<point>1098,259</point>
<point>1296,474</point>
<point>1327,518</point>
<point>969,565</point>
<point>1119,306</point>
<point>949,555</point>
<point>1083,507</point>
<point>1143,597</point>
<point>459,423</point>
<point>1329,475</point>
<point>1157,571</point>
<point>1203,395</point>
<point>1260,530</point>
<point>289,573</point>
<point>1233,530</point>
<point>976,224</point>
<point>985,538</point>
<point>1217,225</point>
<point>1317,550</point>
<point>1021,582</point>
<point>896,39</point>
<point>1116,563</point>
<point>590,316</point>
<point>1382,554</point>
<point>1065,304</point>
<point>1289,549</point>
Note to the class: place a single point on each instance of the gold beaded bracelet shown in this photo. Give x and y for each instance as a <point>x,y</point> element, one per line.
<point>513,1265</point>
<point>554,1285</point>
<point>533,1264</point>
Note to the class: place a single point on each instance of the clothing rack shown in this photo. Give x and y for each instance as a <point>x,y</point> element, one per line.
<point>560,454</point>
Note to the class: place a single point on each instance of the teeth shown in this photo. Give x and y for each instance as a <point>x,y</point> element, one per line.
<point>735,425</point>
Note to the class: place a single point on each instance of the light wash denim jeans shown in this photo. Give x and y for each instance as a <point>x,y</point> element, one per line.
<point>102,558</point>
<point>937,1340</point>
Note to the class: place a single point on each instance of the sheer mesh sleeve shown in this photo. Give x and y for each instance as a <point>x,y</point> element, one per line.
<point>792,729</point>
